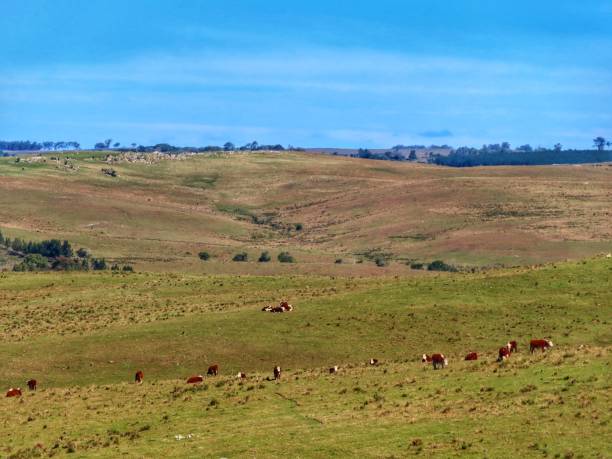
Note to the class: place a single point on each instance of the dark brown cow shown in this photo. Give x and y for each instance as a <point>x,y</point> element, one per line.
<point>14,392</point>
<point>471,356</point>
<point>213,370</point>
<point>277,372</point>
<point>195,379</point>
<point>139,377</point>
<point>512,346</point>
<point>503,353</point>
<point>333,370</point>
<point>439,361</point>
<point>32,384</point>
<point>542,344</point>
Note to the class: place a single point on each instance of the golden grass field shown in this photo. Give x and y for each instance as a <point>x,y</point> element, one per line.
<point>159,216</point>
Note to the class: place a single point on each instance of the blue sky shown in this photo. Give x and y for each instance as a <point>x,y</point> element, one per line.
<point>316,73</point>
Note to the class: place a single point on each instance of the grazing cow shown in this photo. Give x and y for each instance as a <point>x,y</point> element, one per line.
<point>278,309</point>
<point>277,372</point>
<point>439,361</point>
<point>542,344</point>
<point>240,375</point>
<point>286,306</point>
<point>32,384</point>
<point>512,346</point>
<point>426,358</point>
<point>14,392</point>
<point>267,308</point>
<point>139,377</point>
<point>333,370</point>
<point>503,353</point>
<point>471,356</point>
<point>195,379</point>
<point>213,370</point>
<point>373,361</point>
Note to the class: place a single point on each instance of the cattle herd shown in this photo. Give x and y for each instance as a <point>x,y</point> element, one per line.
<point>437,360</point>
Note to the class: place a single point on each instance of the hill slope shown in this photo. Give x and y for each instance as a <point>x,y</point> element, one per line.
<point>160,215</point>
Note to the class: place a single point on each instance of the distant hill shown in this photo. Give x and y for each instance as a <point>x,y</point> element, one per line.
<point>333,214</point>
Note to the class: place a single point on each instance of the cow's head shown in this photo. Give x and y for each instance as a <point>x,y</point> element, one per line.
<point>445,362</point>
<point>550,343</point>
<point>424,359</point>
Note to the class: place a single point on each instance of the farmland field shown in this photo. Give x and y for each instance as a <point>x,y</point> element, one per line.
<point>530,245</point>
<point>84,346</point>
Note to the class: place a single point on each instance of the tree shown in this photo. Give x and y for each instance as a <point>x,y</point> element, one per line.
<point>107,143</point>
<point>204,256</point>
<point>228,146</point>
<point>599,143</point>
<point>412,156</point>
<point>98,264</point>
<point>116,145</point>
<point>1,238</point>
<point>285,257</point>
<point>100,146</point>
<point>526,148</point>
<point>505,146</point>
<point>558,147</point>
<point>264,257</point>
<point>82,253</point>
<point>133,145</point>
<point>254,145</point>
<point>242,256</point>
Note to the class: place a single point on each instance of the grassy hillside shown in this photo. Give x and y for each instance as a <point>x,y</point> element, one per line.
<point>83,335</point>
<point>158,216</point>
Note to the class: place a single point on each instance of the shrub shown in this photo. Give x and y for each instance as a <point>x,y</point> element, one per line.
<point>98,264</point>
<point>417,265</point>
<point>338,261</point>
<point>299,227</point>
<point>380,261</point>
<point>285,257</point>
<point>204,256</point>
<point>439,265</point>
<point>242,256</point>
<point>82,253</point>
<point>128,269</point>
<point>32,262</point>
<point>264,257</point>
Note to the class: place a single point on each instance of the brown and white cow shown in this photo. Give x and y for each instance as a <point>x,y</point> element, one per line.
<point>512,346</point>
<point>277,372</point>
<point>213,370</point>
<point>426,358</point>
<point>286,306</point>
<point>32,384</point>
<point>267,308</point>
<point>439,361</point>
<point>241,375</point>
<point>542,344</point>
<point>471,356</point>
<point>333,370</point>
<point>14,392</point>
<point>139,377</point>
<point>503,353</point>
<point>373,362</point>
<point>195,379</point>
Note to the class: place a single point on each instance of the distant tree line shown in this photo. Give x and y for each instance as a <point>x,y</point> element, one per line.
<point>168,148</point>
<point>525,155</point>
<point>27,145</point>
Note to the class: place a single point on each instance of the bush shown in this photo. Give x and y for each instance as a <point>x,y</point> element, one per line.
<point>32,262</point>
<point>204,256</point>
<point>380,261</point>
<point>128,269</point>
<point>417,265</point>
<point>242,256</point>
<point>82,253</point>
<point>338,261</point>
<point>264,257</point>
<point>439,265</point>
<point>98,264</point>
<point>299,227</point>
<point>285,257</point>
